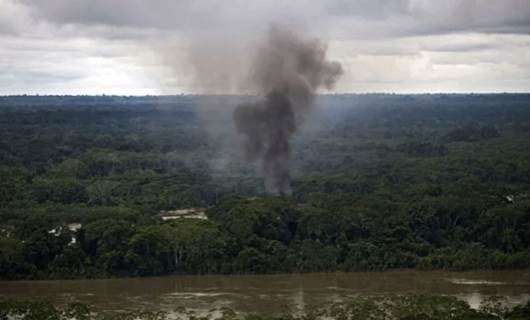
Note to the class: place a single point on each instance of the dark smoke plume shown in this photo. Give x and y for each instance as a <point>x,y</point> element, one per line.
<point>288,70</point>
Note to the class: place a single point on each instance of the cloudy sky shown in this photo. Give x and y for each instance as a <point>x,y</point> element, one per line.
<point>136,47</point>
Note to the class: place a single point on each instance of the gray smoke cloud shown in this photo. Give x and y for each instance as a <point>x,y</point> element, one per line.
<point>287,72</point>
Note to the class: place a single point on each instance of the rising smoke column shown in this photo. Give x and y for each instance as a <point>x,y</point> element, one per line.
<point>287,72</point>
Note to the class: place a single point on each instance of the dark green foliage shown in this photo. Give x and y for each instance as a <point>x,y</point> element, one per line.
<point>383,181</point>
<point>423,149</point>
<point>472,133</point>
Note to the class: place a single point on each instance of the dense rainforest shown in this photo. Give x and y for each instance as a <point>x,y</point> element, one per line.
<point>379,181</point>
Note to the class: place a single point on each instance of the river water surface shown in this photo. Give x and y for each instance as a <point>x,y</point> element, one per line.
<point>270,293</point>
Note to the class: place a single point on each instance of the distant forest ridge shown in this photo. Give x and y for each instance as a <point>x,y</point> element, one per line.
<point>86,100</point>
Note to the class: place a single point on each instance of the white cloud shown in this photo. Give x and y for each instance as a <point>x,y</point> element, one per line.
<point>145,47</point>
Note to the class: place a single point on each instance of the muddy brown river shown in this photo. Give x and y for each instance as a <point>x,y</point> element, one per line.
<point>271,293</point>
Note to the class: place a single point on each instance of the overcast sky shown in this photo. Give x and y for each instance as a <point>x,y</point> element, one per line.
<point>135,47</point>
